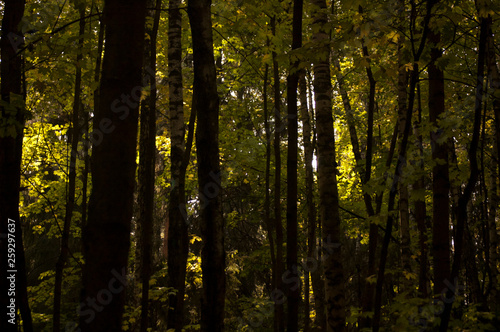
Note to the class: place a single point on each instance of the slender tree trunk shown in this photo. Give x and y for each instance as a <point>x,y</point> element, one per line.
<point>12,122</point>
<point>147,155</point>
<point>278,297</point>
<point>440,179</point>
<point>461,209</point>
<point>317,282</point>
<point>397,173</point>
<point>327,174</point>
<point>420,206</point>
<point>206,104</point>
<point>310,206</point>
<point>178,240</point>
<point>291,277</point>
<point>113,169</point>
<point>404,212</point>
<point>86,147</point>
<point>267,199</point>
<point>494,83</point>
<point>70,204</point>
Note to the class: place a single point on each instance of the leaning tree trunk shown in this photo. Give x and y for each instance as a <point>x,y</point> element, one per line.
<point>327,178</point>
<point>106,237</point>
<point>12,122</point>
<point>206,104</point>
<point>178,241</point>
<point>70,204</point>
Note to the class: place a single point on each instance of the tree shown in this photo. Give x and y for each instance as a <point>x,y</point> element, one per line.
<point>147,158</point>
<point>178,224</point>
<point>113,168</point>
<point>11,138</point>
<point>291,210</point>
<point>327,175</point>
<point>206,105</point>
<point>440,176</point>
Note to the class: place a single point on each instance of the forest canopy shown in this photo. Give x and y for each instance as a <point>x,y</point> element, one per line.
<point>227,165</point>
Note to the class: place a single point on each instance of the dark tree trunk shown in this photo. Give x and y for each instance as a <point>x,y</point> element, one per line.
<point>461,208</point>
<point>106,236</point>
<point>147,154</point>
<point>327,175</point>
<point>397,173</point>
<point>494,83</point>
<point>206,104</point>
<point>310,206</point>
<point>292,278</point>
<point>404,212</point>
<point>178,241</point>
<point>70,204</point>
<point>11,139</point>
<point>317,281</point>
<point>278,295</point>
<point>420,206</point>
<point>267,197</point>
<point>440,178</point>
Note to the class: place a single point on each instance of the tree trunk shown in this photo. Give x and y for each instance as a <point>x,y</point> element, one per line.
<point>440,178</point>
<point>70,204</point>
<point>147,154</point>
<point>11,139</point>
<point>397,173</point>
<point>206,104</point>
<point>310,206</point>
<point>461,209</point>
<point>267,199</point>
<point>420,206</point>
<point>178,241</point>
<point>113,169</point>
<point>278,296</point>
<point>291,276</point>
<point>317,281</point>
<point>494,83</point>
<point>327,177</point>
<point>404,212</point>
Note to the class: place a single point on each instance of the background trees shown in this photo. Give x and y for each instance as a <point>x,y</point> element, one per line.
<point>397,146</point>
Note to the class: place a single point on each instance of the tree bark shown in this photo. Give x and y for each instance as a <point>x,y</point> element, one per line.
<point>106,236</point>
<point>147,157</point>
<point>404,212</point>
<point>206,104</point>
<point>440,178</point>
<point>310,206</point>
<point>327,173</point>
<point>178,240</point>
<point>461,209</point>
<point>420,206</point>
<point>278,296</point>
<point>12,123</point>
<point>293,279</point>
<point>267,197</point>
<point>494,83</point>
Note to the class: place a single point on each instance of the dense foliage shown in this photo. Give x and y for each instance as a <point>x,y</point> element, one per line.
<point>381,60</point>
